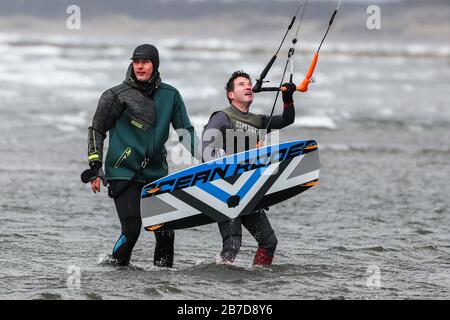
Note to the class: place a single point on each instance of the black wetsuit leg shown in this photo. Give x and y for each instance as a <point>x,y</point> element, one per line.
<point>231,232</point>
<point>127,206</point>
<point>259,227</point>
<point>164,248</point>
<point>128,209</point>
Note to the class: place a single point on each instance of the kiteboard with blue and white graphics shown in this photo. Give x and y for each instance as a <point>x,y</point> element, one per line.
<point>231,186</point>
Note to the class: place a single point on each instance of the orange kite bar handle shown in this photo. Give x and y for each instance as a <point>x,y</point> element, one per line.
<point>303,87</point>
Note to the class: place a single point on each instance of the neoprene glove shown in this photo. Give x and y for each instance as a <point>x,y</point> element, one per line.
<point>287,95</point>
<point>95,171</point>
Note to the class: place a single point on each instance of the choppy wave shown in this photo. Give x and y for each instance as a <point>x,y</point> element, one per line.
<point>204,92</point>
<point>206,49</point>
<point>349,49</point>
<point>362,148</point>
<point>66,122</point>
<point>323,122</point>
<point>389,49</point>
<point>410,122</point>
<point>49,78</point>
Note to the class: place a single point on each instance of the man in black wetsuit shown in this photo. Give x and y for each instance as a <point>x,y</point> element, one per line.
<point>137,114</point>
<point>236,121</point>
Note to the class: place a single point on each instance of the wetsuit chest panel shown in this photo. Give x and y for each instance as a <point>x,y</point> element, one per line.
<point>245,130</point>
<point>244,121</point>
<point>133,135</point>
<point>140,107</point>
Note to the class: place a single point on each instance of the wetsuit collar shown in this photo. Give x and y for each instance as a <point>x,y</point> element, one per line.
<point>236,109</point>
<point>147,88</point>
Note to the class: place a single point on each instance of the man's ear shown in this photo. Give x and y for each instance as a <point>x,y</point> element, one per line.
<point>230,95</point>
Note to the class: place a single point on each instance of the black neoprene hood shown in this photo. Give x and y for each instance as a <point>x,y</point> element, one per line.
<point>147,52</point>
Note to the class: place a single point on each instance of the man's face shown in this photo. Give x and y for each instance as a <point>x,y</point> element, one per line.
<point>143,69</point>
<point>242,93</point>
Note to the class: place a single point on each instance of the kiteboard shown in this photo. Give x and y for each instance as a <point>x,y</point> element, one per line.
<point>231,186</point>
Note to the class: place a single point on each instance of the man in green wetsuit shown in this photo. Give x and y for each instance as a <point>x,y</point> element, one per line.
<point>235,129</point>
<point>137,114</point>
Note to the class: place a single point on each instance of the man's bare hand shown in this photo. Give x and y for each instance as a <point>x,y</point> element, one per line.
<point>95,184</point>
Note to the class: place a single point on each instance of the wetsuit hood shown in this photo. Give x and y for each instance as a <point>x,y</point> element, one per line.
<point>147,88</point>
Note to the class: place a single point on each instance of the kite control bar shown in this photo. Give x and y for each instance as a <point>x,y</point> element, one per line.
<point>303,86</point>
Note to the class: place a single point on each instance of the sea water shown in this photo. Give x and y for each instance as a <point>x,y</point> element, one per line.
<point>377,227</point>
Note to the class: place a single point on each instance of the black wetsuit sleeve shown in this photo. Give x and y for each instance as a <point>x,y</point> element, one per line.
<point>212,137</point>
<point>108,111</point>
<point>280,121</point>
<point>182,125</point>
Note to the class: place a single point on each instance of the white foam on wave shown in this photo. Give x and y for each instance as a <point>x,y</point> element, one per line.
<point>415,128</point>
<point>66,122</point>
<point>52,57</point>
<point>374,75</point>
<point>322,94</point>
<point>34,50</point>
<point>9,94</point>
<point>183,66</point>
<point>9,37</point>
<point>203,92</point>
<point>388,49</point>
<point>86,64</point>
<point>374,87</point>
<point>79,95</point>
<point>313,121</point>
<point>4,49</point>
<point>221,45</point>
<point>212,44</point>
<point>386,112</point>
<point>10,54</point>
<point>335,147</point>
<point>204,55</point>
<point>343,75</point>
<point>373,101</point>
<point>110,52</point>
<point>49,78</point>
<point>408,87</point>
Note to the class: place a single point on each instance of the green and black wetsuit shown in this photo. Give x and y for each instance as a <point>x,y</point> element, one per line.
<point>138,117</point>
